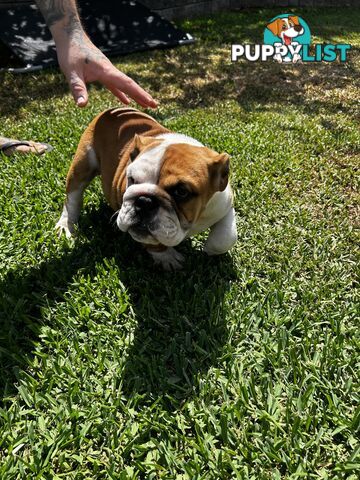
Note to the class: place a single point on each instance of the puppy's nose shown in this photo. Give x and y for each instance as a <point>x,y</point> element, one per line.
<point>298,28</point>
<point>144,204</point>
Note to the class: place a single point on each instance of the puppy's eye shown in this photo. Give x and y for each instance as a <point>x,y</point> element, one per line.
<point>284,27</point>
<point>130,181</point>
<point>180,192</point>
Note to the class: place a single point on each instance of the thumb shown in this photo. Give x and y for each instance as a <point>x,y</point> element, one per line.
<point>78,89</point>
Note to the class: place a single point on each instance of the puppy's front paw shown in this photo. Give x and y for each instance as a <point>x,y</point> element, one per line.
<point>65,226</point>
<point>169,259</point>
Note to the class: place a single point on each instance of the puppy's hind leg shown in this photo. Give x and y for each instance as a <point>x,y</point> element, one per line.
<point>82,170</point>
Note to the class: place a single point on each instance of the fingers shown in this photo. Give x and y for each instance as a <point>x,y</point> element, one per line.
<point>123,98</point>
<point>78,89</point>
<point>117,82</point>
<point>113,78</point>
<point>120,95</point>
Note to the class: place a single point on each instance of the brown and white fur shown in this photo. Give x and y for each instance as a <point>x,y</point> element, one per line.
<point>164,186</point>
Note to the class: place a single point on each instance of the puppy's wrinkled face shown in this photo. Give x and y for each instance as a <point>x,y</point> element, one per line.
<point>168,187</point>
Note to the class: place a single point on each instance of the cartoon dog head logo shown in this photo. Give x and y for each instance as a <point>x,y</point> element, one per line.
<point>287,29</point>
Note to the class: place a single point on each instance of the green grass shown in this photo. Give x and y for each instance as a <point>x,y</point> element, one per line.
<point>239,367</point>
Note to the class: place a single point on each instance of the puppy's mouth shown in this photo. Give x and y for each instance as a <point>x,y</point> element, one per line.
<point>291,34</point>
<point>140,230</point>
<point>160,227</point>
<point>287,40</point>
<point>141,233</point>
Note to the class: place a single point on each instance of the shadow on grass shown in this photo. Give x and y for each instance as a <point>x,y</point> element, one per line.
<point>182,311</point>
<point>17,91</point>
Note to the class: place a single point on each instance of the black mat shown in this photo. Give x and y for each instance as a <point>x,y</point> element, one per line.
<point>117,27</point>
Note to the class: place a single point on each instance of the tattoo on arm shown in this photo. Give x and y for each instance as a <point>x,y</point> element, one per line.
<point>53,10</point>
<point>57,10</point>
<point>65,12</point>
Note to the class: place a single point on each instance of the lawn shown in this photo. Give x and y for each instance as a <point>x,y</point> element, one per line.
<point>244,366</point>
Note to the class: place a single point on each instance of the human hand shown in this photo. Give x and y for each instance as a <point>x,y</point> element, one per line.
<point>82,62</point>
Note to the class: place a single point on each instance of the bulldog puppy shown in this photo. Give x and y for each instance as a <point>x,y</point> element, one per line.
<point>163,186</point>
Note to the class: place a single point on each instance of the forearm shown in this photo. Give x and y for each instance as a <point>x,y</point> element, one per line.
<point>62,18</point>
<point>81,61</point>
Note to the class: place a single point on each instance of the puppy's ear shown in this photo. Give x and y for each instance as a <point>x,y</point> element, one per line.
<point>275,27</point>
<point>219,171</point>
<point>140,142</point>
<point>295,19</point>
<point>136,147</point>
